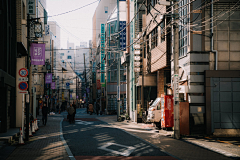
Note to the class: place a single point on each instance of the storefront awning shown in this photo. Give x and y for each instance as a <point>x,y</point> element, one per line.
<point>21,49</point>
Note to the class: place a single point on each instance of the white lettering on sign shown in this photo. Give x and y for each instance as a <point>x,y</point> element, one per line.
<point>137,52</point>
<point>176,87</point>
<point>22,79</point>
<point>137,46</point>
<point>169,103</point>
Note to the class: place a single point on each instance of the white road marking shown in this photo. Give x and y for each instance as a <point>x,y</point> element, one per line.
<point>83,122</point>
<point>126,152</point>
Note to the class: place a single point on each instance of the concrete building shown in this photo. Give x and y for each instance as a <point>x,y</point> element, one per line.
<point>103,10</point>
<point>9,49</point>
<point>208,62</point>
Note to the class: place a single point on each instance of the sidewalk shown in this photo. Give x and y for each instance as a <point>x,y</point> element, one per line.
<point>46,143</point>
<point>186,148</point>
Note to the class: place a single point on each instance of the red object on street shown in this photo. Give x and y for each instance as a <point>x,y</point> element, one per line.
<point>167,111</point>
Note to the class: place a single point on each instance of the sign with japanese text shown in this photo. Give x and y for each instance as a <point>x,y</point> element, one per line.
<point>37,54</point>
<point>48,78</point>
<point>102,49</point>
<point>176,87</point>
<point>122,27</point>
<point>31,7</point>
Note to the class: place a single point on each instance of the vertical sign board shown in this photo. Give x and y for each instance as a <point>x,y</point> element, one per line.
<point>122,28</point>
<point>37,54</point>
<point>48,78</point>
<point>102,49</point>
<point>31,9</point>
<point>118,93</point>
<point>94,72</point>
<point>53,85</point>
<point>176,87</point>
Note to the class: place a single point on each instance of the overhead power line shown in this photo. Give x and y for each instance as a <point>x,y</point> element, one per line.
<point>73,10</point>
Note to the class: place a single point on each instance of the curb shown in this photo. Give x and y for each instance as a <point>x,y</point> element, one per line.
<point>215,150</point>
<point>70,155</point>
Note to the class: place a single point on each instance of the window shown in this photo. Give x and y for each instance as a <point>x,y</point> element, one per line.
<point>70,47</point>
<point>62,54</point>
<point>106,9</point>
<point>183,30</point>
<point>154,38</point>
<point>69,57</point>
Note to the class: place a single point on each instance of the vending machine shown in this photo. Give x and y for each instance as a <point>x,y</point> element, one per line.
<point>167,114</point>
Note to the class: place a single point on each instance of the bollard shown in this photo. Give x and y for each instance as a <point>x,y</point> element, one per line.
<point>30,131</point>
<point>37,124</point>
<point>20,141</point>
<point>33,128</point>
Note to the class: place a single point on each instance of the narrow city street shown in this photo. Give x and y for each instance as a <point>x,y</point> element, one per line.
<point>101,137</point>
<point>90,137</point>
<point>144,79</point>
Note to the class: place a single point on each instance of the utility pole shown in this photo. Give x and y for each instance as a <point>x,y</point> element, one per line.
<point>118,66</point>
<point>28,68</point>
<point>85,76</point>
<point>175,42</point>
<point>142,88</point>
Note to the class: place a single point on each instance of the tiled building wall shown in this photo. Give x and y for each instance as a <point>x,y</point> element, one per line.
<point>21,21</point>
<point>160,83</point>
<point>226,35</point>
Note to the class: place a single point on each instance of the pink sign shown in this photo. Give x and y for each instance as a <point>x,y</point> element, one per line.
<point>53,85</point>
<point>37,54</point>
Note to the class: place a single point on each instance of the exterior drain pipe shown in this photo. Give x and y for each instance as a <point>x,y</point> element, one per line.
<point>211,28</point>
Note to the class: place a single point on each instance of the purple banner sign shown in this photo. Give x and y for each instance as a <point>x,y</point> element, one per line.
<point>88,90</point>
<point>48,78</point>
<point>53,85</point>
<point>37,54</point>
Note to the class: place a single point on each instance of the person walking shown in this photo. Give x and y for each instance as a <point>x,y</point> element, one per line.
<point>75,108</point>
<point>57,108</point>
<point>97,108</point>
<point>44,113</point>
<point>70,111</point>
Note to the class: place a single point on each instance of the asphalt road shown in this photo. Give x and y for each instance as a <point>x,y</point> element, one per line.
<point>89,137</point>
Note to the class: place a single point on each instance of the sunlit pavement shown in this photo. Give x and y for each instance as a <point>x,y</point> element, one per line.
<point>45,143</point>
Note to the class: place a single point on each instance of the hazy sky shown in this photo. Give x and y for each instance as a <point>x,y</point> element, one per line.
<point>75,26</point>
